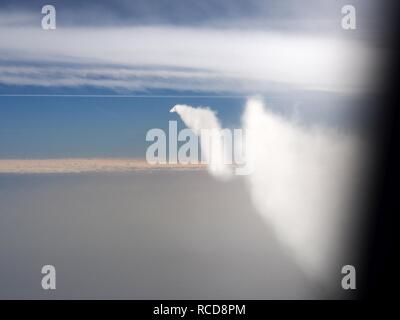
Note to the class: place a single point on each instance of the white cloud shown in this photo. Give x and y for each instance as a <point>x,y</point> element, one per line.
<point>304,183</point>
<point>244,61</point>
<point>198,119</point>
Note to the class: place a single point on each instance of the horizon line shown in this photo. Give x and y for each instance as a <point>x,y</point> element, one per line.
<point>81,165</point>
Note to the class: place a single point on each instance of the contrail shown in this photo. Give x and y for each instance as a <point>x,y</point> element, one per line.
<point>200,120</point>
<point>302,182</point>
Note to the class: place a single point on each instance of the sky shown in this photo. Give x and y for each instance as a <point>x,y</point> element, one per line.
<point>112,70</point>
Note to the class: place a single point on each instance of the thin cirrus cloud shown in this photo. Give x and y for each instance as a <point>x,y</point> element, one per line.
<point>184,58</point>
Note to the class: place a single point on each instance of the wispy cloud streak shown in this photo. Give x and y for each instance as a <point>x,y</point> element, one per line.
<point>184,58</point>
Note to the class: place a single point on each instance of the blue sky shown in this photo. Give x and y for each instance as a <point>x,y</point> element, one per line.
<point>57,127</point>
<point>295,56</point>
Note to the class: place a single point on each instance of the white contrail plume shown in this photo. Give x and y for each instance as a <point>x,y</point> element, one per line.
<point>201,120</point>
<point>302,183</point>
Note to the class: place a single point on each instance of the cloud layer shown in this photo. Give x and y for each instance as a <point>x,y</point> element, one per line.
<point>78,165</point>
<point>183,58</point>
